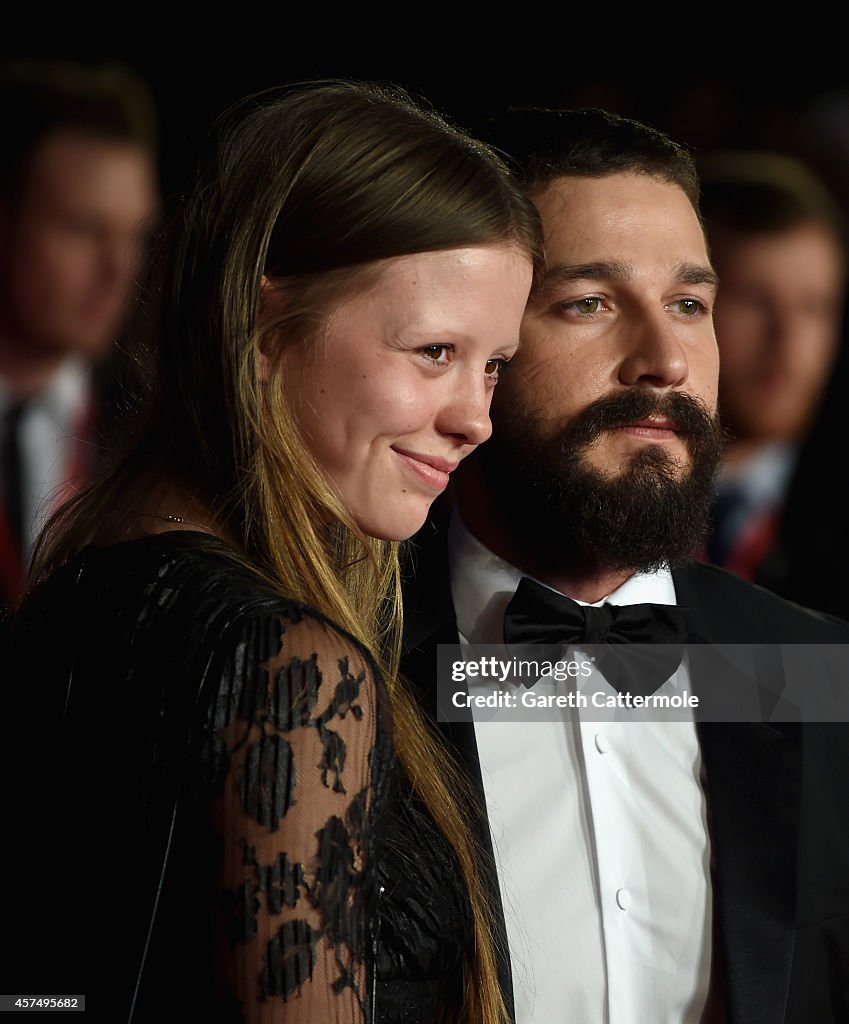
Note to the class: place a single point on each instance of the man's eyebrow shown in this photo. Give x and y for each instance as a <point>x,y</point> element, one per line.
<point>696,273</point>
<point>566,273</point>
<point>620,271</point>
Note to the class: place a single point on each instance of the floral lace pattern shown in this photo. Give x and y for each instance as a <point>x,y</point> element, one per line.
<point>289,745</point>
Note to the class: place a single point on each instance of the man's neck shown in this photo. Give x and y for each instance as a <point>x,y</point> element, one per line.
<point>27,370</point>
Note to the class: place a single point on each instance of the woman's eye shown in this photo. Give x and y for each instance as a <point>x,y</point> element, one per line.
<point>494,367</point>
<point>435,354</point>
<point>584,307</point>
<point>688,307</point>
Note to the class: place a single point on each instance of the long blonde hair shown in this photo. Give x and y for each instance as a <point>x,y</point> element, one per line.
<point>309,186</point>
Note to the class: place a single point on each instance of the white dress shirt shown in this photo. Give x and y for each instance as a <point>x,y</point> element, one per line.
<point>47,438</point>
<point>600,835</point>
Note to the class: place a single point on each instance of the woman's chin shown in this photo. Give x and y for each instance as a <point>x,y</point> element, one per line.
<point>393,528</point>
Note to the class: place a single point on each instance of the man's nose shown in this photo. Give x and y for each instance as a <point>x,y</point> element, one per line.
<point>653,354</point>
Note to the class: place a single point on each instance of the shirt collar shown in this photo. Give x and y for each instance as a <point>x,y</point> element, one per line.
<point>482,584</point>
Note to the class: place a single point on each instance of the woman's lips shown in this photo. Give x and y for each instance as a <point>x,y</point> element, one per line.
<point>429,469</point>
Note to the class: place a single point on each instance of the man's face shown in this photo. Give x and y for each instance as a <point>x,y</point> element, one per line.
<point>626,304</point>
<point>777,323</point>
<point>605,440</point>
<point>72,245</point>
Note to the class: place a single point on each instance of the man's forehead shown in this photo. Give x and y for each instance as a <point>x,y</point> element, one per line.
<point>585,196</point>
<point>620,218</point>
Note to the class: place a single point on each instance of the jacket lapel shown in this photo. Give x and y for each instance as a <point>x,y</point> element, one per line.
<point>753,779</point>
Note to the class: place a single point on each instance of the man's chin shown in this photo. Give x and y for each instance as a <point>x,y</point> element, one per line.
<point>614,466</point>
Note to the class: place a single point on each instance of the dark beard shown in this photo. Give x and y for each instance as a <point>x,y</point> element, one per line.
<point>569,516</point>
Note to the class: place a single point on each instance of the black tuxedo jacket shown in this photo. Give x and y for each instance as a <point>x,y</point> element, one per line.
<point>778,800</point>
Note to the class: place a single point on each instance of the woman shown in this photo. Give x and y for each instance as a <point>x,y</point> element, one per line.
<point>247,807</point>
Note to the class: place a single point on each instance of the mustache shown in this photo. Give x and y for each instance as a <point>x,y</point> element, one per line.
<point>692,418</point>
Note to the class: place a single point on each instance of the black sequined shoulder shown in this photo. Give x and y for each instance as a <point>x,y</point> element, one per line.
<point>211,822</point>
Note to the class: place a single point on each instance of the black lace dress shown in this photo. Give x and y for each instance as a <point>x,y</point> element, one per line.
<point>210,821</point>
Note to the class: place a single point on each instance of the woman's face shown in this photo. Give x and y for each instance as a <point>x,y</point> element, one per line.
<point>398,390</point>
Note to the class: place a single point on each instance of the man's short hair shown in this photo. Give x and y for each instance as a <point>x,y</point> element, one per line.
<point>542,145</point>
<point>39,98</point>
<point>752,192</point>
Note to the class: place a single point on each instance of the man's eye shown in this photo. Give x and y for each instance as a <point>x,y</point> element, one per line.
<point>584,307</point>
<point>688,307</point>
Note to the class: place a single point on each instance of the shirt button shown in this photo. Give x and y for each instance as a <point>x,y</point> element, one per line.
<point>623,898</point>
<point>601,744</point>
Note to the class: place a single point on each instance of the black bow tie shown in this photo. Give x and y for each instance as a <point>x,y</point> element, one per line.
<point>539,615</point>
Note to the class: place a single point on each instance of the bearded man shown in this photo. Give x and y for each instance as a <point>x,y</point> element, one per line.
<point>639,871</point>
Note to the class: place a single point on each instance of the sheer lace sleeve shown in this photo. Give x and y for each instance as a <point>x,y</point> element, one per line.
<point>295,748</point>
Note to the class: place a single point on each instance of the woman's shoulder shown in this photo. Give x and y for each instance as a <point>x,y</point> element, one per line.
<point>176,568</point>
<point>173,626</point>
<point>178,590</point>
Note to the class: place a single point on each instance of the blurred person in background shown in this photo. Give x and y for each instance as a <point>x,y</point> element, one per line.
<point>778,246</point>
<point>78,197</point>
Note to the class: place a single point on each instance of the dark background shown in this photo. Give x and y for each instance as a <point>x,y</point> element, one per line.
<point>791,97</point>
